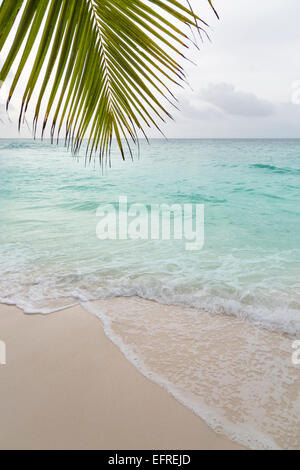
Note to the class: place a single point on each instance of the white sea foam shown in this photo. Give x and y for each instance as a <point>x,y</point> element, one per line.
<point>54,293</point>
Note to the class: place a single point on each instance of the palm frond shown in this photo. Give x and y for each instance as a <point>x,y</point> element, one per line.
<point>113,62</point>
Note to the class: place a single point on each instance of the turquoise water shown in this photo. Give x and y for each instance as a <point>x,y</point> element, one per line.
<point>50,256</point>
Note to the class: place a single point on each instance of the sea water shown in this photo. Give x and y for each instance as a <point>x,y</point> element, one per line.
<point>249,267</point>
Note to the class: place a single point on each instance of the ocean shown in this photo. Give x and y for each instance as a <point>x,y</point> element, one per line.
<point>247,273</point>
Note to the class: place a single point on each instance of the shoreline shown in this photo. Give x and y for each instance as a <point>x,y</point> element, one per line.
<point>67,386</point>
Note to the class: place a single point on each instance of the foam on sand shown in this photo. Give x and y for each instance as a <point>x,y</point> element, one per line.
<point>239,378</point>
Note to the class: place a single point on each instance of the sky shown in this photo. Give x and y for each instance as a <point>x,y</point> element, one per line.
<point>246,81</point>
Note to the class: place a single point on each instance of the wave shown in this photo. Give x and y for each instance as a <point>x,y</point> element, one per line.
<point>16,145</point>
<point>275,169</point>
<point>52,295</point>
<point>80,206</point>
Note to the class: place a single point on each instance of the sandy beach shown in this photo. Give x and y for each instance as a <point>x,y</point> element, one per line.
<point>67,386</point>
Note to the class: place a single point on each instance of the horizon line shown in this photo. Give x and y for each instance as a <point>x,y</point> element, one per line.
<point>160,138</point>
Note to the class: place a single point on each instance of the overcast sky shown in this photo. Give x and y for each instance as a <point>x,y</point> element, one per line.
<point>243,83</point>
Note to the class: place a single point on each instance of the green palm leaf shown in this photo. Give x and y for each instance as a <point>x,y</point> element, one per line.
<point>112,62</point>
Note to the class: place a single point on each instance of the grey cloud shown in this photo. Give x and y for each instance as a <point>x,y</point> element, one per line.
<point>193,109</point>
<point>238,103</point>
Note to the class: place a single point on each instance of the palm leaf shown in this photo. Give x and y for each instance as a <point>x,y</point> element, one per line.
<point>112,61</point>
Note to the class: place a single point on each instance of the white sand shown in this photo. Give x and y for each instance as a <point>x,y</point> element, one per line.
<point>66,386</point>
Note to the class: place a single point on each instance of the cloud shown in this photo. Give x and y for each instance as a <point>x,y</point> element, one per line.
<point>225,97</point>
<point>197,110</point>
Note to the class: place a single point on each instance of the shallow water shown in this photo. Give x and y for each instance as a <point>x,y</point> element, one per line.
<point>238,377</point>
